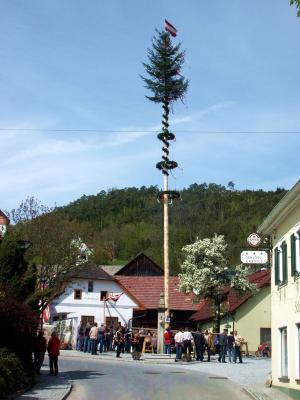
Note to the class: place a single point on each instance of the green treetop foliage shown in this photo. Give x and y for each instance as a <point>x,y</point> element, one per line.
<point>163,69</point>
<point>121,223</point>
<point>297,3</point>
<point>17,276</point>
<point>205,271</point>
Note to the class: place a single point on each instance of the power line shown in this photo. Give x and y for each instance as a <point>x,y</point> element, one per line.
<point>195,131</point>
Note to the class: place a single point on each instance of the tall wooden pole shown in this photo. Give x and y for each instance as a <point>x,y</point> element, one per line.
<point>166,250</point>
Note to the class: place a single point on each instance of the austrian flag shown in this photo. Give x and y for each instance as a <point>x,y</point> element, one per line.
<point>170,28</point>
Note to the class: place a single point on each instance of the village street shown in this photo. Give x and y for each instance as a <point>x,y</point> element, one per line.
<point>125,381</point>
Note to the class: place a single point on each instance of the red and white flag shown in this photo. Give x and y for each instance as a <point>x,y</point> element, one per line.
<point>114,297</point>
<point>170,28</point>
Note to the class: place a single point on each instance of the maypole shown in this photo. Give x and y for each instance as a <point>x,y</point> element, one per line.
<point>167,85</point>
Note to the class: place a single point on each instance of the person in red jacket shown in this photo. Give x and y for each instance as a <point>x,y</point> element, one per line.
<point>53,351</point>
<point>168,341</point>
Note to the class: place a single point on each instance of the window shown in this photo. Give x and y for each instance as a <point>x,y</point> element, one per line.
<point>87,319</point>
<point>280,263</point>
<point>103,295</point>
<point>284,352</point>
<point>90,286</point>
<point>77,294</point>
<point>298,360</point>
<point>60,317</point>
<point>295,254</point>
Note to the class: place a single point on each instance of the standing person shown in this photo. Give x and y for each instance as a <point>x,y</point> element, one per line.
<point>94,338</point>
<point>87,342</point>
<point>119,340</point>
<point>101,337</point>
<point>80,337</point>
<point>187,342</point>
<point>238,340</point>
<point>168,341</point>
<point>178,344</point>
<point>223,345</point>
<point>230,344</point>
<point>53,352</point>
<point>208,343</point>
<point>154,343</point>
<point>127,340</point>
<point>40,347</point>
<point>111,335</point>
<point>199,341</point>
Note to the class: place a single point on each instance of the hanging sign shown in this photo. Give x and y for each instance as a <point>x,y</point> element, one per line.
<point>254,239</point>
<point>254,257</point>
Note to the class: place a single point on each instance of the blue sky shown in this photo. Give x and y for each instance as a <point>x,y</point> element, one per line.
<point>76,64</point>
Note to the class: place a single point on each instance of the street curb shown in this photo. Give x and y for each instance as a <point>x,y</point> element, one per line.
<point>255,396</point>
<point>68,391</point>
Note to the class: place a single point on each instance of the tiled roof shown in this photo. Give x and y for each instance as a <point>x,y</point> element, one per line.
<point>91,271</point>
<point>147,290</point>
<point>205,310</point>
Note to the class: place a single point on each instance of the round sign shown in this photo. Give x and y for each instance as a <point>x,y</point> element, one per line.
<point>254,239</point>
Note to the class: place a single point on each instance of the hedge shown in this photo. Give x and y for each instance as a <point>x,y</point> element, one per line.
<point>12,375</point>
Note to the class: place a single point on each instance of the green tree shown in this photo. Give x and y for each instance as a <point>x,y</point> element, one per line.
<point>56,248</point>
<point>297,3</point>
<point>205,271</point>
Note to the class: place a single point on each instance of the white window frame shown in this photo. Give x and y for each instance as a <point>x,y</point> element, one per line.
<point>280,361</point>
<point>297,347</point>
<point>280,261</point>
<point>297,247</point>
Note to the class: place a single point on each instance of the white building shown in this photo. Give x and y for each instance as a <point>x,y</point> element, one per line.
<point>88,297</point>
<point>283,227</point>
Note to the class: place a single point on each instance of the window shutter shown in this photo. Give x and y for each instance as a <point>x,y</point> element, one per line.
<point>284,262</point>
<point>293,255</point>
<point>276,265</point>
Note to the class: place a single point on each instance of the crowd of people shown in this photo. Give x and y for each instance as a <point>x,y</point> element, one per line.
<point>93,339</point>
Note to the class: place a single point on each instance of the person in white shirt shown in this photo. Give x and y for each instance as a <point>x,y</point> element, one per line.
<point>187,342</point>
<point>178,343</point>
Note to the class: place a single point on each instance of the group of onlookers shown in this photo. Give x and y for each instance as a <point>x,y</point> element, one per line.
<point>200,342</point>
<point>93,339</point>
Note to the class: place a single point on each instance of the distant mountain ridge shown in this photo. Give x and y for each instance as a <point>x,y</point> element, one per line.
<point>125,222</point>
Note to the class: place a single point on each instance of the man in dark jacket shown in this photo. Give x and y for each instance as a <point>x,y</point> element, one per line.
<point>40,347</point>
<point>223,345</point>
<point>199,341</point>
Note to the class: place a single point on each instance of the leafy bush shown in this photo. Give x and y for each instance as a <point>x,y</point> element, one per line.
<point>12,374</point>
<point>18,328</point>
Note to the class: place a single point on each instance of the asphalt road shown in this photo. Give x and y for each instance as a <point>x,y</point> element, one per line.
<point>121,380</point>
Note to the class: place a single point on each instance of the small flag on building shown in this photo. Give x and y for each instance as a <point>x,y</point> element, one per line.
<point>170,28</point>
<point>114,297</point>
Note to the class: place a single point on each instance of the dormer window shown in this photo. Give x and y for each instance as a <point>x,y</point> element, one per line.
<point>90,286</point>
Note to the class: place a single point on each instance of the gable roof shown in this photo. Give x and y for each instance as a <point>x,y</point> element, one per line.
<point>139,266</point>
<point>205,312</point>
<point>3,218</point>
<point>281,210</point>
<point>112,269</point>
<point>147,290</point>
<point>91,271</point>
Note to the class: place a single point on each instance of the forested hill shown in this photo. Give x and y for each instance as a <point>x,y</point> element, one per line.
<point>122,223</point>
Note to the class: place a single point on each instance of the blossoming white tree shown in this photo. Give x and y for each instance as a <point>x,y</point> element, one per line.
<point>205,272</point>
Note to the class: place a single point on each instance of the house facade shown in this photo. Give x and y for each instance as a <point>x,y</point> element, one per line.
<point>92,295</point>
<point>282,225</point>
<point>250,314</point>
